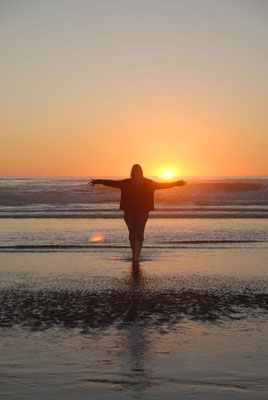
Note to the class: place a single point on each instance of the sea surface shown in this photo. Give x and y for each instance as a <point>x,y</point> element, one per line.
<point>212,197</point>
<point>78,320</point>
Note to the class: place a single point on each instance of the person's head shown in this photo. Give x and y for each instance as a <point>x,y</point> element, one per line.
<point>136,172</point>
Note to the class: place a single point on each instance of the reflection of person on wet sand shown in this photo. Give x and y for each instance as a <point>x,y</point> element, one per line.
<point>137,200</point>
<point>136,341</point>
<point>135,279</point>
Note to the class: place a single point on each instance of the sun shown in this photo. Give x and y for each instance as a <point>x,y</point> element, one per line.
<point>167,175</point>
<point>167,172</point>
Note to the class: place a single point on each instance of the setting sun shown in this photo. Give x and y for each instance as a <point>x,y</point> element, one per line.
<point>167,175</point>
<point>167,172</point>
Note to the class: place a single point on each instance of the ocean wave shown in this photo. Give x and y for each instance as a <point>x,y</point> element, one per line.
<point>68,210</point>
<point>169,245</point>
<point>232,187</point>
<point>73,198</point>
<point>116,215</point>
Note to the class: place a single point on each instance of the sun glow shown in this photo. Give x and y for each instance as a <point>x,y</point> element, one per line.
<point>167,175</point>
<point>167,172</point>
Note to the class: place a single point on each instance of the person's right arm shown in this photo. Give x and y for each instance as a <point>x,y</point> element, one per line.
<point>105,182</point>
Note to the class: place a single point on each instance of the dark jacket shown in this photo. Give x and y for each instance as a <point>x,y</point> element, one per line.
<point>136,198</point>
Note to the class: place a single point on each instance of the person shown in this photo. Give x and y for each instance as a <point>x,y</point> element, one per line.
<point>137,200</point>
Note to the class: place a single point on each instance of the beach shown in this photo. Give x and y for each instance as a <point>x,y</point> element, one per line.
<point>78,320</point>
<point>168,100</point>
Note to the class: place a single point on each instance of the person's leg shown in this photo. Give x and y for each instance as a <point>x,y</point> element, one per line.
<point>132,245</point>
<point>141,220</point>
<point>129,218</point>
<point>137,250</point>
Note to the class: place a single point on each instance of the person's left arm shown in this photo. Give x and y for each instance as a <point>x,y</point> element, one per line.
<point>168,185</point>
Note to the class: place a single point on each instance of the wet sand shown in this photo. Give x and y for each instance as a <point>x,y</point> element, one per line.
<point>188,323</point>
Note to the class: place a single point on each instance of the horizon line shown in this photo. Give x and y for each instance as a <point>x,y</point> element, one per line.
<point>121,176</point>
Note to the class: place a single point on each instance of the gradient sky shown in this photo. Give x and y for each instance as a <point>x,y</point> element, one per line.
<point>90,87</point>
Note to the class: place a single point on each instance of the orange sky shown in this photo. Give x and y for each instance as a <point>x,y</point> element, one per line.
<point>90,88</point>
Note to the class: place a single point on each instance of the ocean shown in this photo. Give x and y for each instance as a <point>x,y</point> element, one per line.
<point>78,320</point>
<point>72,198</point>
<point>214,197</point>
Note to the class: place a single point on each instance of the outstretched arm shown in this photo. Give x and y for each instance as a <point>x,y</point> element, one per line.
<point>105,182</point>
<point>167,185</point>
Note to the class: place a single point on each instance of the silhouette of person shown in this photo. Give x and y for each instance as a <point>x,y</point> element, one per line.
<point>137,200</point>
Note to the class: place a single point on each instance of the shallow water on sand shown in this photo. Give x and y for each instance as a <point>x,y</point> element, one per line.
<point>188,323</point>
<point>76,234</point>
<point>195,361</point>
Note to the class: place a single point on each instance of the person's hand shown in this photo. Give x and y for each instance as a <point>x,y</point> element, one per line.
<point>181,183</point>
<point>92,182</point>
